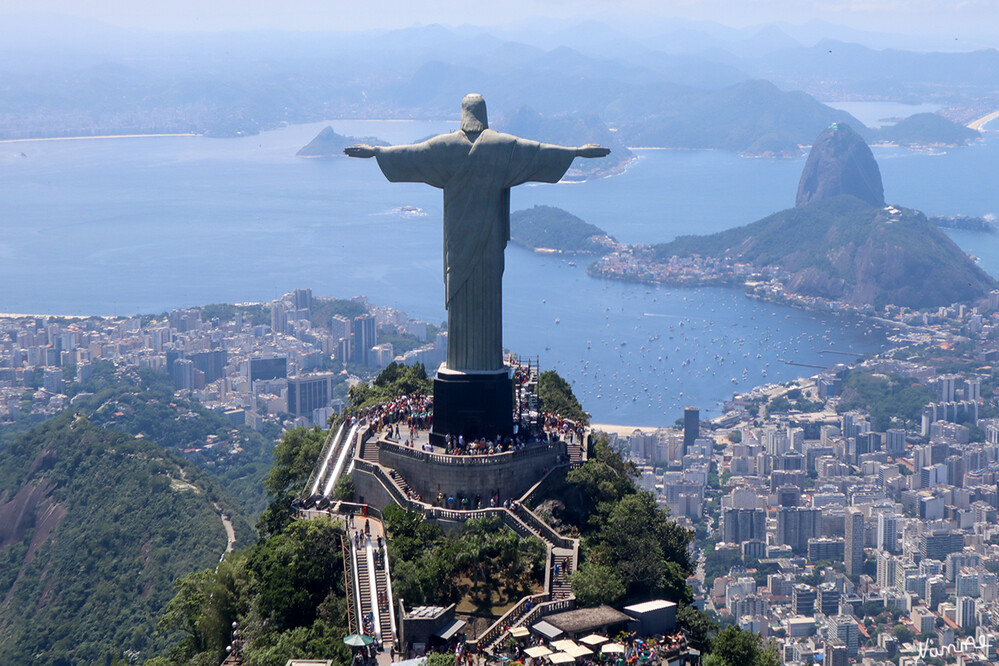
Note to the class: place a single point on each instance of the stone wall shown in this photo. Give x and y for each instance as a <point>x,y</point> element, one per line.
<point>368,490</point>
<point>509,474</point>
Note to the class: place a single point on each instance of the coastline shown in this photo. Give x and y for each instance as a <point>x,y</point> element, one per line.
<point>25,315</point>
<point>622,430</point>
<point>99,136</point>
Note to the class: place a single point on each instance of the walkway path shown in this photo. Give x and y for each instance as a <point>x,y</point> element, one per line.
<point>230,533</point>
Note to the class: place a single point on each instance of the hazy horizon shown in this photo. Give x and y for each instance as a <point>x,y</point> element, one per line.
<point>959,22</point>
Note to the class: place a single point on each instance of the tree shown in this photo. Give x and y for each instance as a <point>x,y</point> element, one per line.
<point>344,489</point>
<point>204,607</point>
<point>604,479</point>
<point>733,646</point>
<point>295,571</point>
<point>556,397</point>
<point>438,659</point>
<point>295,457</point>
<point>648,550</point>
<point>595,584</point>
<point>903,633</point>
<point>697,626</point>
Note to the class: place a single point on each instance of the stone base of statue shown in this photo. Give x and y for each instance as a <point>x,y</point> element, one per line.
<point>472,404</point>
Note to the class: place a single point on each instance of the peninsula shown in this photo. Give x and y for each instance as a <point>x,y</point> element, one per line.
<point>841,245</point>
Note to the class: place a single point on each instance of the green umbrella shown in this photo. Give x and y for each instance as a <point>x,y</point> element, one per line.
<point>358,640</point>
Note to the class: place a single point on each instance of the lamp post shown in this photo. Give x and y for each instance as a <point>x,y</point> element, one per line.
<point>235,648</point>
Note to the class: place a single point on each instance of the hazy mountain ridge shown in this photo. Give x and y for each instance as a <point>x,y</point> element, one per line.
<point>841,67</point>
<point>925,129</point>
<point>241,83</point>
<point>571,130</point>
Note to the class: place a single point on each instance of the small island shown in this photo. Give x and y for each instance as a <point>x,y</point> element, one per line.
<point>550,230</point>
<point>330,144</point>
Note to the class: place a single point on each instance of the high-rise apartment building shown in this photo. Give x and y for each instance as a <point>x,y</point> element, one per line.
<point>888,532</point>
<point>853,551</point>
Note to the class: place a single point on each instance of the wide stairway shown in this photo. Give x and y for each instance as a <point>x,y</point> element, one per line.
<point>373,587</point>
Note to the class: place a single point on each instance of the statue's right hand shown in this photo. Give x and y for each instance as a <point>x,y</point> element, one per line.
<point>592,150</point>
<point>360,150</point>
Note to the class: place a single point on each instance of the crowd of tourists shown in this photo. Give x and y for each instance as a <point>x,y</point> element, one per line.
<point>637,651</point>
<point>405,414</point>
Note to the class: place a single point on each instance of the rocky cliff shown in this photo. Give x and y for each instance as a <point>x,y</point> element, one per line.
<point>840,163</point>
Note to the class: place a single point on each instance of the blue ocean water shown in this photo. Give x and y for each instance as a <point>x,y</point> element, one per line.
<point>127,226</point>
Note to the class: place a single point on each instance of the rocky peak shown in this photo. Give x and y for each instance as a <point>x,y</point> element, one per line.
<point>840,162</point>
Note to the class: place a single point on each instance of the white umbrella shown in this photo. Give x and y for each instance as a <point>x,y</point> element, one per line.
<point>565,645</point>
<point>561,658</point>
<point>612,648</point>
<point>579,651</point>
<point>519,632</point>
<point>593,639</point>
<point>537,651</point>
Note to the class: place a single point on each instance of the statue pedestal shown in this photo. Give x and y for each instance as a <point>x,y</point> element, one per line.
<point>472,404</point>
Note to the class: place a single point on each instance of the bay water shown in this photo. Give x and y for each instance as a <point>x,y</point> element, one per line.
<point>144,225</point>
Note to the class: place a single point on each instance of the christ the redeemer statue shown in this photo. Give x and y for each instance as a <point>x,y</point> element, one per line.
<point>476,167</point>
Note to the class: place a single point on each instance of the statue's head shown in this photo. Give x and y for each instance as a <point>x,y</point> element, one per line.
<point>473,113</point>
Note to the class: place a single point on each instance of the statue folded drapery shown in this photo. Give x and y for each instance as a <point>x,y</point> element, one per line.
<point>476,167</point>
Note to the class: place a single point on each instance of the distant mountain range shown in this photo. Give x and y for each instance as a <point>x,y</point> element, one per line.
<point>571,130</point>
<point>662,91</point>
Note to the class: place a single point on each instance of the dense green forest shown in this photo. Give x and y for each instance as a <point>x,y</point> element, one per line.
<point>286,591</point>
<point>892,401</point>
<point>630,550</point>
<point>96,526</point>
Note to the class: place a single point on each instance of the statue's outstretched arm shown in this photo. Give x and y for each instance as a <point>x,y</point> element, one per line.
<point>591,150</point>
<point>361,150</point>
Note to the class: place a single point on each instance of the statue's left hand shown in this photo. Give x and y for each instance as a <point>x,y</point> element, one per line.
<point>360,150</point>
<point>592,150</point>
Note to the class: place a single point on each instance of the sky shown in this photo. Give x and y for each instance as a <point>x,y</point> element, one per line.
<point>959,17</point>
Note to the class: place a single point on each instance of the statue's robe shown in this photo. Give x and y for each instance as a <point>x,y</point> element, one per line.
<point>476,179</point>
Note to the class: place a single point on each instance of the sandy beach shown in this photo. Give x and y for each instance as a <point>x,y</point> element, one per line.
<point>102,136</point>
<point>620,430</point>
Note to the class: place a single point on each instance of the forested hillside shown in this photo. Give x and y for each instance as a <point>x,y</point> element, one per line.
<point>95,526</point>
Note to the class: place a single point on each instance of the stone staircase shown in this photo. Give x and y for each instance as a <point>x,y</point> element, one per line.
<point>560,587</point>
<point>369,450</point>
<point>401,483</point>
